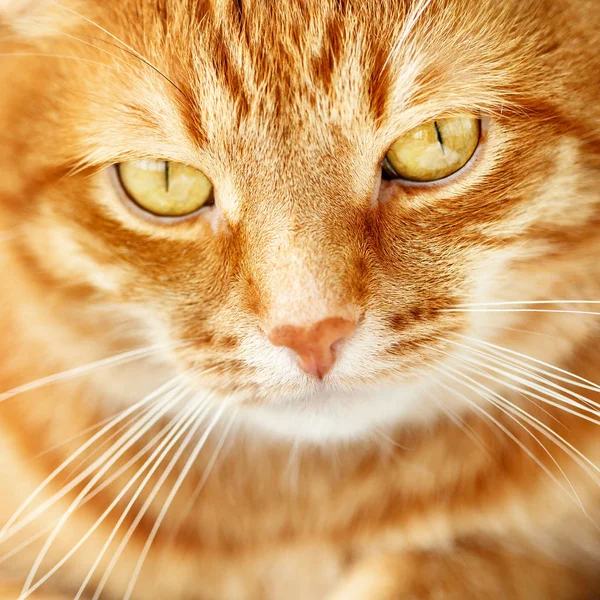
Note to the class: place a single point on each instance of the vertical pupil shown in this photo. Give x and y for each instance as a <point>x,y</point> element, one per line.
<point>167,175</point>
<point>439,136</point>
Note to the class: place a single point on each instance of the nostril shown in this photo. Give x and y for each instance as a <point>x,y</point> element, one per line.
<point>338,344</point>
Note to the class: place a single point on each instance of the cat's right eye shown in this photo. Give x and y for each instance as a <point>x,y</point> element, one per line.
<point>164,188</point>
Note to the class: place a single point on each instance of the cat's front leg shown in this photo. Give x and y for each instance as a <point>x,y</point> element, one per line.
<point>466,573</point>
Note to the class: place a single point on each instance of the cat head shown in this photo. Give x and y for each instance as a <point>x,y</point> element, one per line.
<point>300,192</point>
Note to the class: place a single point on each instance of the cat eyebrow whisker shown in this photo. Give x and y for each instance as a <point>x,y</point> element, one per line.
<point>123,46</point>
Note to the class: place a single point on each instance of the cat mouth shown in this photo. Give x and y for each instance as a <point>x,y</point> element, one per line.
<point>330,415</point>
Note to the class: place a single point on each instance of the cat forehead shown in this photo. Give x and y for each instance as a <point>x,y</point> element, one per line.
<point>247,72</point>
<point>340,60</point>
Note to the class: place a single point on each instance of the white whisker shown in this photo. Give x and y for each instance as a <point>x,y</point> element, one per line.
<point>176,430</point>
<point>504,429</point>
<point>527,302</point>
<point>184,472</point>
<point>209,468</point>
<point>559,440</point>
<point>8,530</point>
<point>520,310</point>
<point>196,421</point>
<point>119,359</point>
<point>528,392</point>
<point>191,418</point>
<point>589,405</point>
<point>111,457</point>
<point>583,383</point>
<point>456,419</point>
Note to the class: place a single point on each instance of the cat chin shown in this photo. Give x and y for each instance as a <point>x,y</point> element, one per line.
<point>332,418</point>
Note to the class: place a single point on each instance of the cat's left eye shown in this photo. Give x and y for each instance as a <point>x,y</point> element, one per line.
<point>164,188</point>
<point>434,150</point>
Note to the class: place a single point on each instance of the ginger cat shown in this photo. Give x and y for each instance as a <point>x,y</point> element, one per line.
<point>301,299</point>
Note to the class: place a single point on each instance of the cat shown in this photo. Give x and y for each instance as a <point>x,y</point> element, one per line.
<point>300,299</point>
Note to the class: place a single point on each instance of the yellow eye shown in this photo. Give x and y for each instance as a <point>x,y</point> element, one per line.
<point>164,188</point>
<point>433,150</point>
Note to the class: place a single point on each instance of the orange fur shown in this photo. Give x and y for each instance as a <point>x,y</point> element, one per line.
<point>397,476</point>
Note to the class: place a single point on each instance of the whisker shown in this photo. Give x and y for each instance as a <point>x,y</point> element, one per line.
<point>196,420</point>
<point>504,429</point>
<point>584,383</point>
<point>519,310</point>
<point>590,405</point>
<point>85,42</point>
<point>500,402</point>
<point>60,56</point>
<point>122,358</point>
<point>105,483</point>
<point>455,418</point>
<point>176,431</point>
<point>574,453</point>
<point>209,468</point>
<point>7,528</point>
<point>124,424</point>
<point>555,395</point>
<point>113,455</point>
<point>520,330</point>
<point>563,442</point>
<point>527,302</point>
<point>121,44</point>
<point>184,472</point>
<point>569,449</point>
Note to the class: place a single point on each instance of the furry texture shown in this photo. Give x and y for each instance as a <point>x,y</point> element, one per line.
<point>433,461</point>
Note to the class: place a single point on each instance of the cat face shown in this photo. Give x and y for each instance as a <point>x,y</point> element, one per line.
<point>305,285</point>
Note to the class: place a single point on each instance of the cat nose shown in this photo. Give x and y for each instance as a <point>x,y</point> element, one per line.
<point>316,344</point>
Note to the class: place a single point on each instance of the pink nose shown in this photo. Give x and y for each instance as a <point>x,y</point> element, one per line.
<point>316,344</point>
